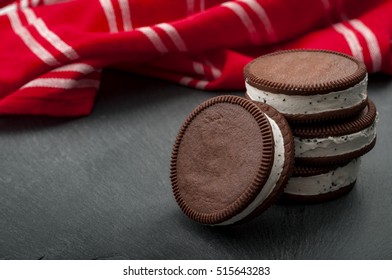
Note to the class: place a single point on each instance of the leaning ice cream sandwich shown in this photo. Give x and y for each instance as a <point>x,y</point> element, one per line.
<point>308,85</point>
<point>230,161</point>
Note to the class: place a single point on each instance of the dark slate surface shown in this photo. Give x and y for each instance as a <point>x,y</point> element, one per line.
<point>98,187</point>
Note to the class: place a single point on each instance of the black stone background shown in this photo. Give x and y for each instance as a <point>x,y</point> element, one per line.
<point>98,187</point>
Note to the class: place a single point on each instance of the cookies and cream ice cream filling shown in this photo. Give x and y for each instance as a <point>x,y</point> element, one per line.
<point>276,171</point>
<point>324,183</point>
<point>334,145</point>
<point>292,104</point>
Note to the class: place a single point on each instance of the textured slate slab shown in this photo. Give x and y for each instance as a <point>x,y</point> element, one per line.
<point>98,188</point>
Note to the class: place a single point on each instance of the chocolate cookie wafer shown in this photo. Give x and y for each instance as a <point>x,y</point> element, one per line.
<point>308,85</point>
<point>230,160</point>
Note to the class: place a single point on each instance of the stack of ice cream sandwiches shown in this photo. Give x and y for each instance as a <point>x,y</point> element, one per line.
<point>323,95</point>
<point>298,133</point>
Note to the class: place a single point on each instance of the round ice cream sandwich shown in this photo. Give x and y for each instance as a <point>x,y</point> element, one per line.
<point>318,184</point>
<point>230,161</point>
<point>335,142</point>
<point>308,85</point>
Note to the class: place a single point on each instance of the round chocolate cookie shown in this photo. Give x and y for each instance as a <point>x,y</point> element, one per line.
<point>308,85</point>
<point>335,142</point>
<point>230,160</point>
<point>318,184</point>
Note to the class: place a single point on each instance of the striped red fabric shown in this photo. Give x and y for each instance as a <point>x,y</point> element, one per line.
<point>52,51</point>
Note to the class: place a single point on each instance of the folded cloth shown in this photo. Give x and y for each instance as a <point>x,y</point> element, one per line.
<point>52,51</point>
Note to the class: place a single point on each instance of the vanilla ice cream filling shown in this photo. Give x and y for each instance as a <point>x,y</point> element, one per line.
<point>324,183</point>
<point>269,186</point>
<point>334,146</point>
<point>311,104</point>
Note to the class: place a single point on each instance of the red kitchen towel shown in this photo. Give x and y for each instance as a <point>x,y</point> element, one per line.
<point>52,51</point>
